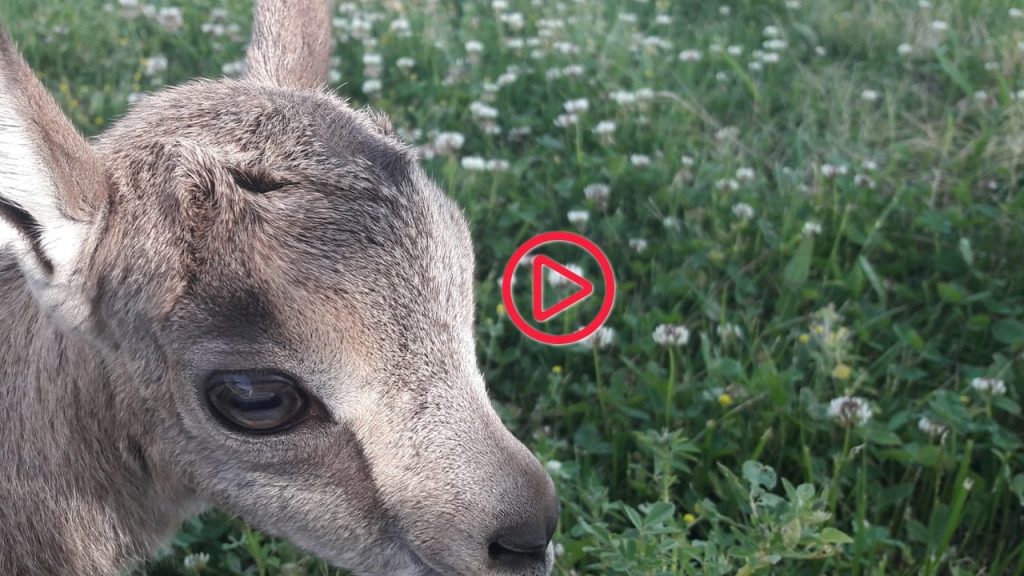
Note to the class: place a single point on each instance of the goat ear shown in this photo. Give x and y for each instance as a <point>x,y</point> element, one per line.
<point>52,184</point>
<point>291,43</point>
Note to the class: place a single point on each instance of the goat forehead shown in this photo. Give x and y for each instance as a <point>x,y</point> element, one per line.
<point>263,123</point>
<point>363,237</point>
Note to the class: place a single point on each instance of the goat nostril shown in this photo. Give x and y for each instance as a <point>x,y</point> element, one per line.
<point>517,553</point>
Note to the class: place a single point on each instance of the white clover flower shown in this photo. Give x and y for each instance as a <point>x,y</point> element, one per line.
<point>576,106</point>
<point>515,20</point>
<point>372,59</point>
<point>499,5</point>
<point>638,245</point>
<point>724,10</point>
<point>213,29</point>
<point>727,133</point>
<point>690,55</point>
<point>864,181</point>
<point>361,28</point>
<point>598,193</point>
<point>445,142</point>
<point>993,386</point>
<point>557,280</point>
<point>663,19</point>
<point>623,97</point>
<point>715,48</point>
<point>578,217</point>
<point>474,47</point>
<point>372,86</point>
<point>603,338</point>
<point>573,70</point>
<point>811,228</point>
<point>755,66</point>
<point>820,51</point>
<point>515,43</point>
<point>170,18</point>
<point>772,31</point>
<point>727,185</point>
<point>1016,13</point>
<point>671,223</point>
<point>870,95</point>
<point>628,17</point>
<point>507,78</point>
<point>567,48</point>
<point>671,335</point>
<point>687,161</point>
<point>743,211</point>
<point>745,174</point>
<point>401,27</point>
<point>734,50</point>
<point>833,170</point>
<point>769,57</point>
<point>156,65</point>
<point>728,331</point>
<point>640,160</point>
<point>553,466</point>
<point>604,128</point>
<point>405,63</point>
<point>850,411</point>
<point>474,163</point>
<point>793,4</point>
<point>931,427</point>
<point>775,45</point>
<point>196,561</point>
<point>497,165</point>
<point>904,49</point>
<point>566,120</point>
<point>482,111</point>
<point>923,4</point>
<point>869,165</point>
<point>939,26</point>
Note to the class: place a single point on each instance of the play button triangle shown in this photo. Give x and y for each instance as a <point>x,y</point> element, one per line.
<point>585,288</point>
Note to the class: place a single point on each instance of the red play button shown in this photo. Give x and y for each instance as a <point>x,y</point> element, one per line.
<point>584,288</point>
<point>563,276</point>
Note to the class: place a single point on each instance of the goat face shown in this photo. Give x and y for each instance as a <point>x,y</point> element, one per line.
<point>285,304</point>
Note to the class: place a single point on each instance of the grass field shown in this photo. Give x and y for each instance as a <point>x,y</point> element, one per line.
<point>817,200</point>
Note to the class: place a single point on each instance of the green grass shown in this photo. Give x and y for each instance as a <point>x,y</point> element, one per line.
<point>718,456</point>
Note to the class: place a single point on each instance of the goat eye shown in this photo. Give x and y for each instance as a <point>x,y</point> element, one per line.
<point>257,403</point>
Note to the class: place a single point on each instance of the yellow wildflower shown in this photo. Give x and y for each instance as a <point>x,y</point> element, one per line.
<point>842,372</point>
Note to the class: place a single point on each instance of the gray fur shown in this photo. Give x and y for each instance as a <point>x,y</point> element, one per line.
<point>133,267</point>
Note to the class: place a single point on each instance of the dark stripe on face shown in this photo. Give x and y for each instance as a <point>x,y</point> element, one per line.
<point>29,228</point>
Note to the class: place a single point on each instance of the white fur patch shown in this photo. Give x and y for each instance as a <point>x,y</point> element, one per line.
<point>25,181</point>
